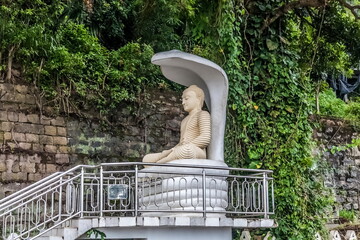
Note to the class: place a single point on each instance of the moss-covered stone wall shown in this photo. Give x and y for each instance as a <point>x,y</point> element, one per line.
<point>34,143</point>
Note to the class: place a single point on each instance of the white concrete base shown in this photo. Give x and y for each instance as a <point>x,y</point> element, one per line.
<point>166,233</point>
<point>169,188</point>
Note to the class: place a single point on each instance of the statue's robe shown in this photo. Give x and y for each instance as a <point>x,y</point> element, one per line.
<point>194,138</point>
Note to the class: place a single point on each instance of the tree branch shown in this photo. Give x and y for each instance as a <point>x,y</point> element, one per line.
<point>352,8</point>
<point>290,6</point>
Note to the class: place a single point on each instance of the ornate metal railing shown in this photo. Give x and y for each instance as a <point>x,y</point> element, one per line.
<point>130,189</point>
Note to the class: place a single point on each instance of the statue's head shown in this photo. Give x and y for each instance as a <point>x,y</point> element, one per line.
<point>193,98</point>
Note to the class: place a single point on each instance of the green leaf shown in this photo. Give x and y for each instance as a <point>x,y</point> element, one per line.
<point>271,45</point>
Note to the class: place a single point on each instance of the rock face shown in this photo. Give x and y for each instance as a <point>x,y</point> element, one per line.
<point>34,144</point>
<point>334,137</point>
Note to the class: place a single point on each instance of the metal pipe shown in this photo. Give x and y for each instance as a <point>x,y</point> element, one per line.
<point>136,190</point>
<point>82,193</point>
<point>204,192</point>
<point>101,191</point>
<point>265,190</point>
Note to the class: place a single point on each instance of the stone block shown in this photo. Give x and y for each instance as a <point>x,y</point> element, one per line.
<point>63,149</point>
<point>19,98</point>
<point>27,167</point>
<point>139,221</point>
<point>29,128</point>
<point>127,221</point>
<point>84,225</point>
<point>32,138</point>
<point>37,147</point>
<point>45,120</point>
<point>61,158</point>
<point>7,136</point>
<point>30,99</point>
<point>2,166</point>
<point>50,130</point>
<point>51,168</point>
<point>33,118</point>
<point>197,221</point>
<point>22,117</point>
<point>102,222</point>
<point>267,223</point>
<point>61,131</point>
<point>70,233</point>
<point>3,116</point>
<point>41,168</point>
<point>50,148</point>
<point>151,221</point>
<point>212,222</point>
<point>19,137</point>
<point>95,222</point>
<point>8,177</point>
<point>43,139</point>
<point>21,88</point>
<point>9,107</point>
<point>112,222</point>
<point>35,158</point>
<point>59,121</point>
<point>226,222</point>
<point>255,224</point>
<point>13,116</point>
<point>240,223</point>
<point>8,97</point>
<point>25,146</point>
<point>182,221</point>
<point>15,167</point>
<point>60,141</point>
<point>7,87</point>
<point>7,126</point>
<point>9,164</point>
<point>34,177</point>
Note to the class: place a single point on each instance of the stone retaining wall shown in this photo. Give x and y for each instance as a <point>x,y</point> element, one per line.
<point>34,144</point>
<point>344,165</point>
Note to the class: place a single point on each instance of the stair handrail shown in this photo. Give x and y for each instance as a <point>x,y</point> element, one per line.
<point>38,185</point>
<point>31,186</point>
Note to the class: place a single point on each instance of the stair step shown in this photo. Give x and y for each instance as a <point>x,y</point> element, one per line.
<point>70,233</point>
<point>49,238</point>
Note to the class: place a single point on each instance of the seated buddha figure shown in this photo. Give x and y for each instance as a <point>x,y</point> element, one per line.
<point>195,131</point>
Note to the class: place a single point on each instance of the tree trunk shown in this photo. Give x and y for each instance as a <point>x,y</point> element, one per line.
<point>317,99</point>
<point>9,63</point>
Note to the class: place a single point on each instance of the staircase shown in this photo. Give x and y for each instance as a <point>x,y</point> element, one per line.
<point>67,204</point>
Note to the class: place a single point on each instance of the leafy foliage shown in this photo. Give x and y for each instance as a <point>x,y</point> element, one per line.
<point>96,233</point>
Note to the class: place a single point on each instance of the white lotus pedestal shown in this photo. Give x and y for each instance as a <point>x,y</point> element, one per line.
<point>172,200</point>
<point>184,191</point>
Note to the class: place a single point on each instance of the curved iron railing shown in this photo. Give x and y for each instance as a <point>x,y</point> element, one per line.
<point>130,189</point>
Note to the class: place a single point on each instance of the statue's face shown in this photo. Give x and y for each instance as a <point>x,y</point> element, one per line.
<point>190,101</point>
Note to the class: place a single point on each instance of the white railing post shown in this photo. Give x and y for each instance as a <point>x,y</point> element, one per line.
<point>82,193</point>
<point>60,198</point>
<point>204,191</point>
<point>136,190</point>
<point>101,191</point>
<point>266,198</point>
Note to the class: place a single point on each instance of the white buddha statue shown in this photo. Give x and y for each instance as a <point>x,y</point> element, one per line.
<point>195,131</point>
